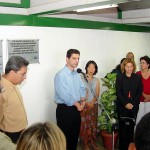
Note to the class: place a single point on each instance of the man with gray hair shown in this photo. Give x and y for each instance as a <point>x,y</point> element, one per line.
<point>13,119</point>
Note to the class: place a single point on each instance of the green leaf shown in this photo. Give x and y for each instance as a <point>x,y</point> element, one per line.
<point>108,98</point>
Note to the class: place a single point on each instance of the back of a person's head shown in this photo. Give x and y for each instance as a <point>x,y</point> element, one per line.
<point>42,136</point>
<point>130,55</point>
<point>142,133</point>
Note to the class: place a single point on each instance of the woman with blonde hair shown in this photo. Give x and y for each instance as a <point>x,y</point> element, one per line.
<point>130,55</point>
<point>129,90</point>
<point>42,136</point>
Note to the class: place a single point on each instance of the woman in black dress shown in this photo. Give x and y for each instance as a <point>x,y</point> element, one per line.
<point>129,90</point>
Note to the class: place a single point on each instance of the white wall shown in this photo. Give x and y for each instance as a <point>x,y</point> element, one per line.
<point>107,48</point>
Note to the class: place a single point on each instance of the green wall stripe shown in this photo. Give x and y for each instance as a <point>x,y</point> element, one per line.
<point>33,20</point>
<point>16,20</point>
<point>84,24</point>
<point>24,4</point>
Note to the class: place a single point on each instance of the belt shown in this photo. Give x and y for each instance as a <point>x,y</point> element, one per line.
<point>65,105</point>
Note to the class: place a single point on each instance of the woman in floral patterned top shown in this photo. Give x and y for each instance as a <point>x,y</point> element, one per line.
<point>90,113</point>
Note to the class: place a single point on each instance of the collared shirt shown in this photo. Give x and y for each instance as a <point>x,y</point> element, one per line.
<point>6,143</point>
<point>69,87</point>
<point>13,115</point>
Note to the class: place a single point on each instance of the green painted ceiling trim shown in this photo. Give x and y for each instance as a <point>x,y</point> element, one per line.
<point>49,12</point>
<point>84,24</point>
<point>24,4</point>
<point>32,20</point>
<point>69,8</point>
<point>16,20</point>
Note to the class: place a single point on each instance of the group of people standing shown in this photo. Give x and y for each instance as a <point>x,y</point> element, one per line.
<point>77,97</point>
<point>76,113</point>
<point>133,95</point>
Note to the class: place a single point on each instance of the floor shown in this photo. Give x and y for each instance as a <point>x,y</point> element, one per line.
<point>98,142</point>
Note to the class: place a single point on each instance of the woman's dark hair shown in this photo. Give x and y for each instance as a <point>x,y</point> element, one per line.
<point>118,67</point>
<point>147,59</point>
<point>142,133</point>
<point>94,63</point>
<point>72,51</point>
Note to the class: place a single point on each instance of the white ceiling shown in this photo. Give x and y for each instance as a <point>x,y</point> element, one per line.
<point>11,1</point>
<point>133,11</point>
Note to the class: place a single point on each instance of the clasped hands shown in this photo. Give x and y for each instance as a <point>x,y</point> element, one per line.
<point>80,104</point>
<point>147,97</point>
<point>129,106</point>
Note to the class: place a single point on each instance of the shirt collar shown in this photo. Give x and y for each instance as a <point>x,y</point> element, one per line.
<point>8,82</point>
<point>69,71</point>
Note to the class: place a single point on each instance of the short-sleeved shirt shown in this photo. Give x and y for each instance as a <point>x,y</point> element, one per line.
<point>13,115</point>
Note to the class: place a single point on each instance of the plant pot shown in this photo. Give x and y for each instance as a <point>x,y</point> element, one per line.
<point>108,140</point>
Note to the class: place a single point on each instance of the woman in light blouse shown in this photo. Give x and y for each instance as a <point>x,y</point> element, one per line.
<point>90,113</point>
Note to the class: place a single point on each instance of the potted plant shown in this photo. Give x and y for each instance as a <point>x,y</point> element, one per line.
<point>108,118</point>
